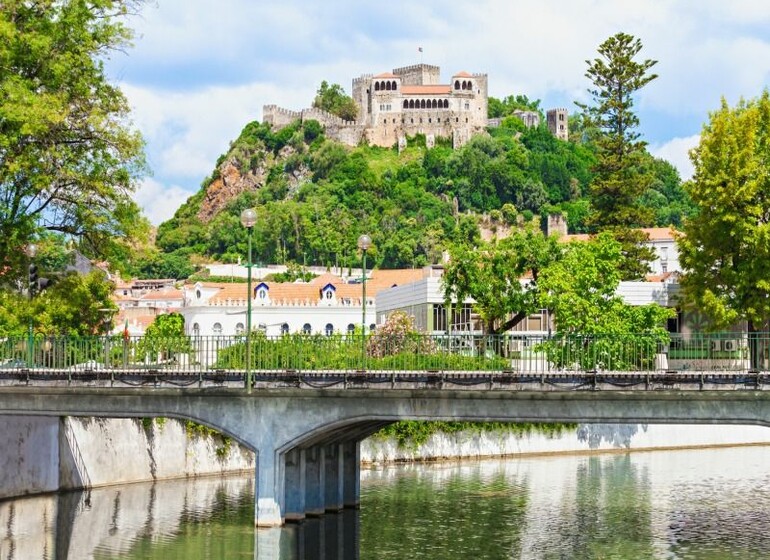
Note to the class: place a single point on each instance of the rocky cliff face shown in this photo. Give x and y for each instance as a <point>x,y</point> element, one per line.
<point>236,176</point>
<point>230,183</point>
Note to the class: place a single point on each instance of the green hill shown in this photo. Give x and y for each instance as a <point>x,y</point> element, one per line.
<point>314,197</point>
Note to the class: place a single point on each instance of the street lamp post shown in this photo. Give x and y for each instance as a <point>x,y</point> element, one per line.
<point>364,242</point>
<point>31,287</point>
<point>248,219</point>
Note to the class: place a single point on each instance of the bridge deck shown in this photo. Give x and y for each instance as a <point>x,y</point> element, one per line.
<point>438,380</point>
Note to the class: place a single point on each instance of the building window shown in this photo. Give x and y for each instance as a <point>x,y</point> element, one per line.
<point>198,294</point>
<point>306,328</point>
<point>239,328</point>
<point>328,294</point>
<point>196,329</point>
<point>457,84</point>
<point>329,329</point>
<point>372,327</point>
<point>217,328</point>
<point>285,328</point>
<point>262,294</point>
<point>351,328</point>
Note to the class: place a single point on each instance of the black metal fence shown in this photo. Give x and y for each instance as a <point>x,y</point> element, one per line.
<point>723,352</point>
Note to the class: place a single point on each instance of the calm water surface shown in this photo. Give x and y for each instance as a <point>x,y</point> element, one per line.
<point>705,504</point>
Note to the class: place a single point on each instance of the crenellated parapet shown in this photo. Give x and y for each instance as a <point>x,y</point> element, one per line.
<point>324,117</point>
<point>279,117</point>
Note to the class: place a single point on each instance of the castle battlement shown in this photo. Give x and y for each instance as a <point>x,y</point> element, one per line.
<point>324,117</point>
<point>415,67</point>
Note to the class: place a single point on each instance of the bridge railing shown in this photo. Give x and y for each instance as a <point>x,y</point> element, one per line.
<point>524,353</point>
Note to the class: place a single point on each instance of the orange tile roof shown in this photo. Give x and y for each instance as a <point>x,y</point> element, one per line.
<point>462,74</point>
<point>655,234</point>
<point>426,90</point>
<point>376,281</point>
<point>165,294</point>
<point>386,75</point>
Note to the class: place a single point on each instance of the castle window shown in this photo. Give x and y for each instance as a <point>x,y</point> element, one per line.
<point>411,120</point>
<point>376,86</point>
<point>406,104</point>
<point>420,120</point>
<point>467,106</point>
<point>465,84</point>
<point>561,116</point>
<point>446,104</point>
<point>394,121</point>
<point>466,119</point>
<point>411,103</point>
<point>457,84</point>
<point>457,119</point>
<point>393,86</point>
<point>422,104</point>
<point>430,120</point>
<point>435,104</point>
<point>387,86</point>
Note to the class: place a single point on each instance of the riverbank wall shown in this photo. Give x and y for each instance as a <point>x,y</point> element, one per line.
<point>47,454</point>
<point>585,438</point>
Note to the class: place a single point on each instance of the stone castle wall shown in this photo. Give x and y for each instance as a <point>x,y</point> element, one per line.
<point>409,101</point>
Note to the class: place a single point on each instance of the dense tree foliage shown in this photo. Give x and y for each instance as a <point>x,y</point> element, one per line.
<point>620,179</point>
<point>318,195</point>
<point>494,273</point>
<point>75,305</point>
<point>725,250</point>
<point>332,98</point>
<point>68,160</point>
<point>580,289</point>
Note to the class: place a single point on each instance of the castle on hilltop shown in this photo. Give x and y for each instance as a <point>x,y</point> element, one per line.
<point>410,101</point>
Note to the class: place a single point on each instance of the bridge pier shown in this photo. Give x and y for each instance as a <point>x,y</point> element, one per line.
<point>269,489</point>
<point>351,478</point>
<point>295,469</point>
<point>315,480</point>
<point>333,478</point>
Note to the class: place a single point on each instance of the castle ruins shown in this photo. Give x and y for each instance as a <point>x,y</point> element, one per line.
<point>410,101</point>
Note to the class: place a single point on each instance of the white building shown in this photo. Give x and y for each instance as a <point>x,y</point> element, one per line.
<point>325,305</point>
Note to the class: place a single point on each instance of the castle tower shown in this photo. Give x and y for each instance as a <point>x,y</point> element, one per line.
<point>558,123</point>
<point>418,75</point>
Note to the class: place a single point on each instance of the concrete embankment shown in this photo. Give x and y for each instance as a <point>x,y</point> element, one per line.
<point>586,438</point>
<point>46,454</point>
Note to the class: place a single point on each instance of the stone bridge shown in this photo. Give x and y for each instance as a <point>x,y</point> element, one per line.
<point>307,439</point>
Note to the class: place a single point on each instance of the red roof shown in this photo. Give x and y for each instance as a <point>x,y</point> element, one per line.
<point>386,75</point>
<point>462,74</point>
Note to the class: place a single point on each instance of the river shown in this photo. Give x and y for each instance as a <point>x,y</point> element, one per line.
<point>687,504</point>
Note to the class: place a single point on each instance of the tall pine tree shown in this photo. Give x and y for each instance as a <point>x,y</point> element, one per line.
<point>620,180</point>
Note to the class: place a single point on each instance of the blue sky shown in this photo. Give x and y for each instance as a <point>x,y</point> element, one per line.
<point>200,70</point>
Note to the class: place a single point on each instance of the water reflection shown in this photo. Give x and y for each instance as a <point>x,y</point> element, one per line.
<point>682,505</point>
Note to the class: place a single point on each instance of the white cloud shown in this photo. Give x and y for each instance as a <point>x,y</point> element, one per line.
<point>201,70</point>
<point>676,151</point>
<point>159,201</point>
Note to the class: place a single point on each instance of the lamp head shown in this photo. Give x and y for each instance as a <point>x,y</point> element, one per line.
<point>248,218</point>
<point>364,242</point>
